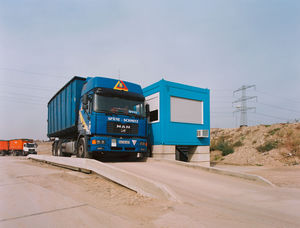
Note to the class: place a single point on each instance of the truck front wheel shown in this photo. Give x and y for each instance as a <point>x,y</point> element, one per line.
<point>82,150</point>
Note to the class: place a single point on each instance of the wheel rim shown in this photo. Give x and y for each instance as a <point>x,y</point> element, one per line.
<point>80,150</point>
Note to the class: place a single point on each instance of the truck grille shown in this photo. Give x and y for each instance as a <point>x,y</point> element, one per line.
<point>122,128</point>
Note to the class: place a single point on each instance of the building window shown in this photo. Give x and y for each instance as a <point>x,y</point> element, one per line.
<point>154,115</point>
<point>186,110</point>
<point>153,102</point>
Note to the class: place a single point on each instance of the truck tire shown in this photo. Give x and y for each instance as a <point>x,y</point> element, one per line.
<point>82,150</point>
<point>59,151</point>
<point>54,148</point>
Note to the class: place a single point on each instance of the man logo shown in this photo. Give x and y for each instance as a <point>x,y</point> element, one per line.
<point>134,142</point>
<point>121,86</point>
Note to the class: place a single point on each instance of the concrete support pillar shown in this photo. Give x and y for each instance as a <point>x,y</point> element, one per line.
<point>197,154</point>
<point>200,155</point>
<point>163,151</point>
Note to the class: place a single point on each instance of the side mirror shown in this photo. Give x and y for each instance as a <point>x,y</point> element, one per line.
<point>85,101</point>
<point>147,110</point>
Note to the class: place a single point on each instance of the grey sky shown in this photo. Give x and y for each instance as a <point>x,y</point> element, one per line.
<point>219,45</point>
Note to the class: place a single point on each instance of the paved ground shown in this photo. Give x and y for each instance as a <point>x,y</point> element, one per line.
<point>34,194</point>
<point>284,176</point>
<point>224,201</point>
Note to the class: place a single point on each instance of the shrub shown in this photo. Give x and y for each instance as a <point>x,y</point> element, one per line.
<point>272,132</point>
<point>222,145</point>
<point>267,146</point>
<point>293,144</point>
<point>237,144</point>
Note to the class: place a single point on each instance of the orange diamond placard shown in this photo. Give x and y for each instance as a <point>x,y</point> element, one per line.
<point>121,86</point>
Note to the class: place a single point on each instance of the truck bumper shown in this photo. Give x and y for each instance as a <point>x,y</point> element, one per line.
<point>117,145</point>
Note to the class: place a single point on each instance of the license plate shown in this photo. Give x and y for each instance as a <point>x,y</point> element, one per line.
<point>126,142</point>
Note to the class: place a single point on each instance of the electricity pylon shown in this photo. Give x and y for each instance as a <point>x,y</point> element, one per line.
<point>243,108</point>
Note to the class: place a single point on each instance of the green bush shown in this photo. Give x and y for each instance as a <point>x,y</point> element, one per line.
<point>222,145</point>
<point>272,132</point>
<point>238,144</point>
<point>267,146</point>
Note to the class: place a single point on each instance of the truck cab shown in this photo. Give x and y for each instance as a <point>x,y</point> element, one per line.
<point>112,119</point>
<point>29,148</point>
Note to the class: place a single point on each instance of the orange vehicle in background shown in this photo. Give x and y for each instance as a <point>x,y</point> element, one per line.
<point>22,147</point>
<point>4,147</point>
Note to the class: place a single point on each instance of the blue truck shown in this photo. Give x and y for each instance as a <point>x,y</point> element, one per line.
<point>98,116</point>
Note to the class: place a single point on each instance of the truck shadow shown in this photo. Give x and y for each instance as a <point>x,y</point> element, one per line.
<point>120,159</point>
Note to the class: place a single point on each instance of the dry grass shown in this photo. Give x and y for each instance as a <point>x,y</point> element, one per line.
<point>292,143</point>
<point>274,145</point>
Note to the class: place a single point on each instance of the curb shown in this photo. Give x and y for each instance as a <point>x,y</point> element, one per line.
<point>129,180</point>
<point>246,176</point>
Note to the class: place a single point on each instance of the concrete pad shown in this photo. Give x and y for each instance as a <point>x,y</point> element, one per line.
<point>24,199</point>
<point>164,156</point>
<point>27,170</point>
<point>221,171</point>
<point>81,216</point>
<point>201,163</point>
<point>132,181</point>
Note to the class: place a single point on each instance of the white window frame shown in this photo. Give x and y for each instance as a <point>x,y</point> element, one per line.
<point>150,97</point>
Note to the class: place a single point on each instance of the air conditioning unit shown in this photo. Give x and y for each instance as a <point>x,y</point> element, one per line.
<point>202,133</point>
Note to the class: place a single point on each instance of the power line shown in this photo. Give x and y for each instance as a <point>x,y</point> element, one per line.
<point>280,97</point>
<point>278,107</point>
<point>26,95</point>
<point>30,72</point>
<point>26,86</point>
<point>16,100</point>
<point>271,116</point>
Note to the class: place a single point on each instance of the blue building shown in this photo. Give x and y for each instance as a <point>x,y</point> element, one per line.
<point>179,121</point>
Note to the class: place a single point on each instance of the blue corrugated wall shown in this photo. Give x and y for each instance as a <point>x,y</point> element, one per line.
<point>166,132</point>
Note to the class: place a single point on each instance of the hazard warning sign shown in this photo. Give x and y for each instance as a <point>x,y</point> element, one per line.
<point>121,86</point>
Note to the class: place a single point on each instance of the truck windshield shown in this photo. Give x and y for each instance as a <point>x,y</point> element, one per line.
<point>30,145</point>
<point>119,106</point>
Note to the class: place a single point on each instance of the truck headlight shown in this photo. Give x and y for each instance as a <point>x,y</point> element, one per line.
<point>142,143</point>
<point>94,141</point>
<point>100,141</point>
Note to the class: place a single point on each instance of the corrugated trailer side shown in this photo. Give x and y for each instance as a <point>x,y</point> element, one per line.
<point>3,145</point>
<point>17,144</point>
<point>63,109</point>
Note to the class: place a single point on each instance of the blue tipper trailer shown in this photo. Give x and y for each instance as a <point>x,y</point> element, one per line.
<point>179,122</point>
<point>98,117</point>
